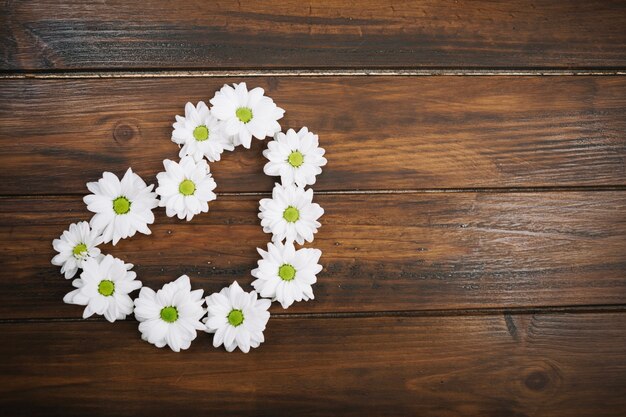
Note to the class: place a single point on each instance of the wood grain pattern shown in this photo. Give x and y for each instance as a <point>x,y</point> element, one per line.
<point>74,34</point>
<point>557,365</point>
<point>380,133</point>
<point>474,238</point>
<point>380,252</point>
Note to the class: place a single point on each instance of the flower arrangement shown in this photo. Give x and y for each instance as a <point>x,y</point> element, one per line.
<point>172,315</point>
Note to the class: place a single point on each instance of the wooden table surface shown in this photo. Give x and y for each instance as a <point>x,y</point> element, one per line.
<point>474,241</point>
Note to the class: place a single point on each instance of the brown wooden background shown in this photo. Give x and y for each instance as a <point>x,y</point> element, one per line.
<point>475,231</point>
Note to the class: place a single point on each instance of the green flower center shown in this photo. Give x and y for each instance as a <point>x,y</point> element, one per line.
<point>201,133</point>
<point>79,249</point>
<point>295,159</point>
<point>121,205</point>
<point>169,314</point>
<point>291,214</point>
<point>235,318</point>
<point>286,272</point>
<point>106,287</point>
<point>244,114</point>
<point>187,187</point>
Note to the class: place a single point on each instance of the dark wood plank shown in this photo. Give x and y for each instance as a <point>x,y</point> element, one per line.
<point>44,35</point>
<point>380,252</point>
<point>556,365</point>
<point>379,133</point>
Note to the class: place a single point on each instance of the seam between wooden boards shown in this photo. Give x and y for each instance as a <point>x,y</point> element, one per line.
<point>151,73</point>
<point>487,190</point>
<point>582,309</point>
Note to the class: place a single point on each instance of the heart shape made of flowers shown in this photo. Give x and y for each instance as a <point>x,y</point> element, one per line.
<point>173,315</point>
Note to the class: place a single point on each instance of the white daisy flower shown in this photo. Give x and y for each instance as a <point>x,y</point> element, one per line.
<point>246,114</point>
<point>295,157</point>
<point>200,134</point>
<point>75,245</point>
<point>286,274</point>
<point>170,316</point>
<point>122,207</point>
<point>103,287</point>
<point>237,318</point>
<point>290,214</point>
<point>185,188</point>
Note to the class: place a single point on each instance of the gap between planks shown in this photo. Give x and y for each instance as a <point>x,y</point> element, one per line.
<point>79,74</point>
<point>493,190</point>
<point>581,309</point>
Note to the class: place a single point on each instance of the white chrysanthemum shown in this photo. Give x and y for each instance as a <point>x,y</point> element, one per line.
<point>295,157</point>
<point>286,274</point>
<point>246,113</point>
<point>237,318</point>
<point>75,245</point>
<point>122,207</point>
<point>200,134</point>
<point>185,188</point>
<point>290,214</point>
<point>170,316</point>
<point>103,287</point>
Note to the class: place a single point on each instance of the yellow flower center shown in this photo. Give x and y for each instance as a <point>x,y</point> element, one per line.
<point>286,272</point>
<point>169,314</point>
<point>235,318</point>
<point>187,187</point>
<point>121,205</point>
<point>106,287</point>
<point>244,114</point>
<point>201,133</point>
<point>291,214</point>
<point>79,250</point>
<point>295,159</point>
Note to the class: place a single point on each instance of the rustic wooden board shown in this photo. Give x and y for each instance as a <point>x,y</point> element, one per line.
<point>380,132</point>
<point>381,252</point>
<point>511,365</point>
<point>45,35</point>
<point>474,239</point>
